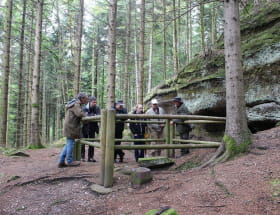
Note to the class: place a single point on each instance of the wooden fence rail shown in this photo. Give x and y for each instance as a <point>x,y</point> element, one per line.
<point>107,140</point>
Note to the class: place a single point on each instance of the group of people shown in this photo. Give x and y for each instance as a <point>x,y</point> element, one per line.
<point>75,111</point>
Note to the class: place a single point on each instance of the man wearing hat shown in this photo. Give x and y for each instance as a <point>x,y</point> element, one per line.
<point>182,128</point>
<point>120,109</point>
<point>90,128</point>
<point>155,130</point>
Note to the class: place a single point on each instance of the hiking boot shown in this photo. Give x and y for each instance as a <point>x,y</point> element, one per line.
<point>185,152</point>
<point>73,164</point>
<point>61,165</point>
<point>121,159</point>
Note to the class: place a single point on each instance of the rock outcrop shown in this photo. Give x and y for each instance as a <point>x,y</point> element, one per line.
<point>202,82</point>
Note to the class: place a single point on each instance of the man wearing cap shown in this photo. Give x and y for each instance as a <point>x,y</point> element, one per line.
<point>181,128</point>
<point>155,130</point>
<point>72,129</point>
<point>89,129</point>
<point>120,109</point>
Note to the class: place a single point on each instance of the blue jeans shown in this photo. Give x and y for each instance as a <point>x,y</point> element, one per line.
<point>67,151</point>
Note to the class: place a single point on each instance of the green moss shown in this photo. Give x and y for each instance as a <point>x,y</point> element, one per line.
<point>262,17</point>
<point>188,165</point>
<point>150,158</point>
<point>35,105</point>
<point>259,41</point>
<point>234,148</point>
<point>170,211</point>
<point>39,146</point>
<point>275,188</point>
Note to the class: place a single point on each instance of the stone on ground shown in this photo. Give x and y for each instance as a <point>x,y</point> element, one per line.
<point>155,162</point>
<point>141,175</point>
<point>100,189</point>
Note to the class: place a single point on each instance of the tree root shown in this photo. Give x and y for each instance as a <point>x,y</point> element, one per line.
<point>219,154</point>
<point>47,179</point>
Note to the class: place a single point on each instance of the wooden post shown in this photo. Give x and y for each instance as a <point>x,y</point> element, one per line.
<point>167,133</point>
<point>103,145</point>
<point>77,150</point>
<point>110,148</point>
<point>172,132</point>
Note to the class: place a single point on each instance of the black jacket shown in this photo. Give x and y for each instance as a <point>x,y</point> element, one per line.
<point>119,124</point>
<point>138,127</point>
<point>90,128</point>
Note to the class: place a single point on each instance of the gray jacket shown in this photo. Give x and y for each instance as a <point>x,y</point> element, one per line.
<point>155,127</point>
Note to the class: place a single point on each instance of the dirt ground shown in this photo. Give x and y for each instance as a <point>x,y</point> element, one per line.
<point>249,184</point>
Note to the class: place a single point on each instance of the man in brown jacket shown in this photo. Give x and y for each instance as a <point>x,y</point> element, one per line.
<point>72,129</point>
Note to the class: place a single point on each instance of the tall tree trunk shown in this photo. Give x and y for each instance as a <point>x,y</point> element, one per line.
<point>35,99</point>
<point>101,98</point>
<point>140,97</point>
<point>27,113</point>
<point>19,127</point>
<point>4,113</point>
<point>136,61</point>
<point>94,69</point>
<point>164,39</point>
<point>127,53</point>
<point>44,110</point>
<point>190,29</point>
<point>78,49</point>
<point>202,32</point>
<point>187,34</point>
<point>179,33</point>
<point>213,25</point>
<point>112,54</point>
<point>236,134</point>
<point>175,41</point>
<point>151,50</point>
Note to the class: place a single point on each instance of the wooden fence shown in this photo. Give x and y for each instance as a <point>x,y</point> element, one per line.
<point>107,140</point>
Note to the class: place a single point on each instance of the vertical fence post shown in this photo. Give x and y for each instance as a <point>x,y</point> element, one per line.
<point>77,150</point>
<point>110,148</point>
<point>103,145</point>
<point>167,134</point>
<point>172,131</point>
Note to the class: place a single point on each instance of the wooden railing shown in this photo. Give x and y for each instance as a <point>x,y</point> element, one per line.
<point>107,140</point>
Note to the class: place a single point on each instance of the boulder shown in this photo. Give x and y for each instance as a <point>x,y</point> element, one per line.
<point>141,175</point>
<point>201,83</point>
<point>100,189</point>
<point>155,162</point>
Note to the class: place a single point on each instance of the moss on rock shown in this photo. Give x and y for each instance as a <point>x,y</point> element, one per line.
<point>233,148</point>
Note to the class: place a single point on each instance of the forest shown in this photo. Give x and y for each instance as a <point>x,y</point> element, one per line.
<point>52,50</point>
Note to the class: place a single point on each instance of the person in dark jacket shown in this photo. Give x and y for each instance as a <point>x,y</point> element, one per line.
<point>182,128</point>
<point>91,128</point>
<point>138,131</point>
<point>120,109</point>
<point>72,129</point>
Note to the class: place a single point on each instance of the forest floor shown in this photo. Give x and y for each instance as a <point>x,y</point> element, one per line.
<point>249,184</point>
